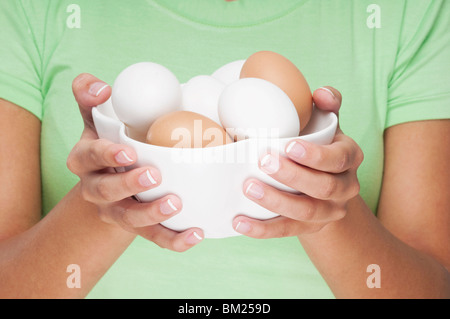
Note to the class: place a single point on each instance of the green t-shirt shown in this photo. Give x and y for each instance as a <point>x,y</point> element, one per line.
<point>389,59</point>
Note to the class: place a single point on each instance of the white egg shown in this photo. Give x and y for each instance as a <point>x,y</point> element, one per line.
<point>143,92</point>
<point>252,107</point>
<point>201,95</point>
<point>230,72</point>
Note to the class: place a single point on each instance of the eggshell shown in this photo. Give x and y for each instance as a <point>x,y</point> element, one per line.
<point>252,107</point>
<point>280,71</point>
<point>230,72</point>
<point>184,129</point>
<point>143,92</point>
<point>201,95</point>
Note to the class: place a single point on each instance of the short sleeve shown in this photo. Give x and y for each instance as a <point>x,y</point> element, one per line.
<point>20,62</point>
<point>420,85</point>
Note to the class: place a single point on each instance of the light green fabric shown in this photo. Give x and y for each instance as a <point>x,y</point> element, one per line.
<point>388,75</point>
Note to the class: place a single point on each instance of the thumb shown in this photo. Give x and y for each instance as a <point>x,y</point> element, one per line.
<point>328,98</point>
<point>89,91</point>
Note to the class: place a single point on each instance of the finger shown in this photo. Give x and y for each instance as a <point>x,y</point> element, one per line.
<point>172,240</point>
<point>294,206</point>
<point>327,98</point>
<point>317,184</point>
<point>277,227</point>
<point>342,154</point>
<point>131,214</point>
<point>95,154</point>
<point>104,187</point>
<point>89,91</point>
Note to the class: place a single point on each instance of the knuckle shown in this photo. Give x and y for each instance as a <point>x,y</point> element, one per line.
<point>95,152</point>
<point>125,216</point>
<point>100,152</point>
<point>337,212</point>
<point>329,187</point>
<point>103,190</point>
<point>104,216</point>
<point>178,246</point>
<point>86,192</point>
<point>72,161</point>
<point>352,188</point>
<point>355,189</point>
<point>260,231</point>
<point>285,229</point>
<point>308,212</point>
<point>319,156</point>
<point>71,164</point>
<point>340,213</point>
<point>275,203</point>
<point>293,177</point>
<point>129,182</point>
<point>316,227</point>
<point>359,157</point>
<point>343,162</point>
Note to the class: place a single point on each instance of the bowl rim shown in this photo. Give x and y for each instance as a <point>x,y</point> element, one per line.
<point>330,116</point>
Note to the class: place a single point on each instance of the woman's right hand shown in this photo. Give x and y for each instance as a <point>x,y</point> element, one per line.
<point>93,159</point>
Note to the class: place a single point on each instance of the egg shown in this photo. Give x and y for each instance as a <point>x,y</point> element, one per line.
<point>252,107</point>
<point>142,93</point>
<point>280,71</point>
<point>201,95</point>
<point>184,129</point>
<point>229,72</point>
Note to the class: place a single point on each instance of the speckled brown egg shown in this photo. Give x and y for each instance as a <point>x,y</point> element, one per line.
<point>184,129</point>
<point>277,69</point>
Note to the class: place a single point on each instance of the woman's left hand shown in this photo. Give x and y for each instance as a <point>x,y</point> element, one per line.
<point>325,175</point>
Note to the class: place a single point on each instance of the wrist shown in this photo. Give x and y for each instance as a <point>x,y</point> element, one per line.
<point>355,206</point>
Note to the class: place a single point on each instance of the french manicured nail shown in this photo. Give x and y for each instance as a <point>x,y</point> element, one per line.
<point>295,150</point>
<point>193,238</point>
<point>123,158</point>
<point>146,179</point>
<point>270,164</point>
<point>329,91</point>
<point>167,207</point>
<point>243,227</point>
<point>96,88</point>
<point>255,191</point>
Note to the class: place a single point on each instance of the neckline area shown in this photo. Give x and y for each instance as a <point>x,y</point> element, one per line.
<point>229,14</point>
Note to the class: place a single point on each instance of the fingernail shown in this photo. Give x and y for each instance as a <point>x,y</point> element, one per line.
<point>296,150</point>
<point>243,227</point>
<point>167,207</point>
<point>270,164</point>
<point>123,158</point>
<point>146,179</point>
<point>193,238</point>
<point>255,191</point>
<point>96,88</point>
<point>329,91</point>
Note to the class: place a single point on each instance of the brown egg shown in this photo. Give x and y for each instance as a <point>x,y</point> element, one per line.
<point>277,69</point>
<point>184,129</point>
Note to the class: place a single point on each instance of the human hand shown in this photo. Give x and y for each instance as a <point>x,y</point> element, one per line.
<point>93,160</point>
<point>325,175</point>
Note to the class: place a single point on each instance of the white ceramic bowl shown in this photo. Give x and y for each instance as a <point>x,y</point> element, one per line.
<point>209,181</point>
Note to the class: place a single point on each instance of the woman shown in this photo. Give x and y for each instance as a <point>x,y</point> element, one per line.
<point>376,228</point>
